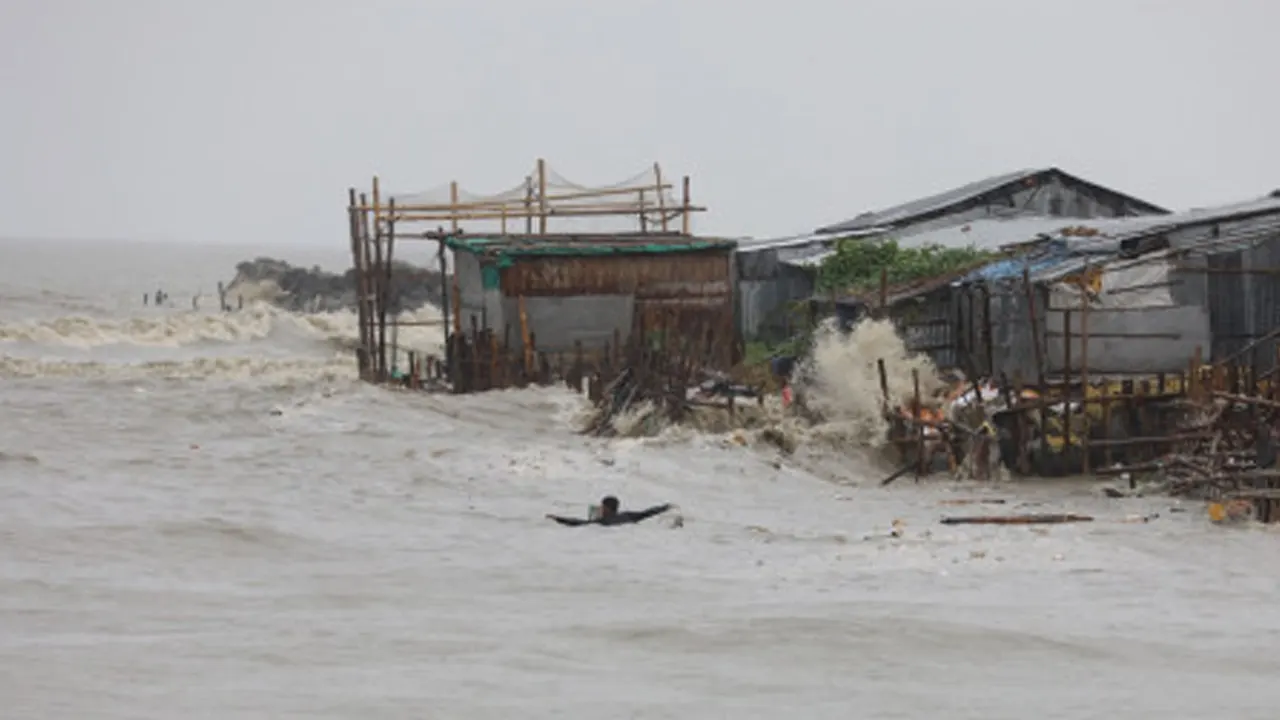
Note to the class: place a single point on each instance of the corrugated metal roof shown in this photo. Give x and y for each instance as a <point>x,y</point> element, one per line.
<point>759,244</point>
<point>991,234</point>
<point>907,210</point>
<point>506,247</point>
<point>1131,228</point>
<point>790,241</point>
<point>902,214</point>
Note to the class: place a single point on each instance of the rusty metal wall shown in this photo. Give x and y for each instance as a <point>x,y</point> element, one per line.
<point>699,274</point>
<point>686,293</point>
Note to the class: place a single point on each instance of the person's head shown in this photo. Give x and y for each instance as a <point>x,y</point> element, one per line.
<point>609,506</point>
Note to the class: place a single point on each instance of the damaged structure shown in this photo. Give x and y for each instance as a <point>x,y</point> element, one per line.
<point>1145,344</point>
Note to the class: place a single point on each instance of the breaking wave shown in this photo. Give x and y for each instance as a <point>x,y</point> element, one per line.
<point>845,430</point>
<point>258,340</point>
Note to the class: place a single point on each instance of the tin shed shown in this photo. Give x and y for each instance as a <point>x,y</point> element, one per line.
<point>566,289</point>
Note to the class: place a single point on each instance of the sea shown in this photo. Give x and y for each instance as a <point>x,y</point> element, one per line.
<point>204,514</point>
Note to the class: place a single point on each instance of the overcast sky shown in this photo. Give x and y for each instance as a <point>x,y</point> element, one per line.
<point>246,121</point>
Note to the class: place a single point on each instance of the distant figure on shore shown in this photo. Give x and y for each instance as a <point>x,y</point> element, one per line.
<point>146,298</point>
<point>609,515</point>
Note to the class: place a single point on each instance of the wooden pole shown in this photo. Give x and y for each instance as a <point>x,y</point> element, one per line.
<point>1106,421</point>
<point>376,278</point>
<point>386,285</point>
<point>453,207</point>
<point>662,202</point>
<point>511,205</point>
<point>884,385</point>
<point>987,338</point>
<point>619,210</point>
<point>644,221</point>
<point>1084,366</point>
<point>357,267</point>
<point>542,196</point>
<point>525,339</point>
<point>1035,324</point>
<point>366,280</point>
<point>1066,381</point>
<point>1023,435</point>
<point>528,205</point>
<point>916,408</point>
<point>685,206</point>
<point>444,296</point>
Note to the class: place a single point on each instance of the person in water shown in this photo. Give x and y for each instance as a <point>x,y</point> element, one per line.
<point>609,515</point>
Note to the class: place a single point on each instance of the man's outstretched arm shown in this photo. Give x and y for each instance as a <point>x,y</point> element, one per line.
<point>571,522</point>
<point>638,515</point>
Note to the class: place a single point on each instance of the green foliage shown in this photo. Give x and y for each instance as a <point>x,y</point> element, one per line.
<point>856,263</point>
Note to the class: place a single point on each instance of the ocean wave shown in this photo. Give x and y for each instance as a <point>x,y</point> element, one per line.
<point>257,321</point>
<point>201,368</point>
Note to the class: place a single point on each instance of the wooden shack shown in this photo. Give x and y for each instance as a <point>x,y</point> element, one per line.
<point>560,294</point>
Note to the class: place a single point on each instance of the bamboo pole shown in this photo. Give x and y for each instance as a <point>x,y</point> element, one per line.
<point>987,334</point>
<point>1035,325</point>
<point>356,266</point>
<point>525,340</point>
<point>366,279</point>
<point>453,206</point>
<point>542,196</point>
<point>1066,381</point>
<point>916,407</point>
<point>1084,366</point>
<point>386,286</point>
<point>564,211</point>
<point>518,203</point>
<point>685,206</point>
<point>444,294</point>
<point>662,202</point>
<point>528,204</point>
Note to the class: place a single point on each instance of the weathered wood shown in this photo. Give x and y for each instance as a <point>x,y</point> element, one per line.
<point>1016,520</point>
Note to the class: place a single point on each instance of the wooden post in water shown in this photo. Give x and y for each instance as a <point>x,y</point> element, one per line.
<point>386,283</point>
<point>1023,436</point>
<point>987,340</point>
<point>444,294</point>
<point>526,337</point>
<point>1106,421</point>
<point>1084,370</point>
<point>357,256</point>
<point>366,285</point>
<point>1066,383</point>
<point>916,408</point>
<point>1035,326</point>
<point>884,386</point>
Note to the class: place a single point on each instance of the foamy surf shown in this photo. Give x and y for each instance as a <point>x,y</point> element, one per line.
<point>257,321</point>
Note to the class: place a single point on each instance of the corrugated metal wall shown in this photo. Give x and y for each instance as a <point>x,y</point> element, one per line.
<point>691,292</point>
<point>1242,291</point>
<point>694,274</point>
<point>764,306</point>
<point>766,288</point>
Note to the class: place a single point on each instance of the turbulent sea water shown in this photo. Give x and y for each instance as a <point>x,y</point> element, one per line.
<point>205,515</point>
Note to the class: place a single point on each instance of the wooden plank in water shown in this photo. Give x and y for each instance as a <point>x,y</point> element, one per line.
<point>1016,519</point>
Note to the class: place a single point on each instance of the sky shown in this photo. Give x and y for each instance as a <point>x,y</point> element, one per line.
<point>246,122</point>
